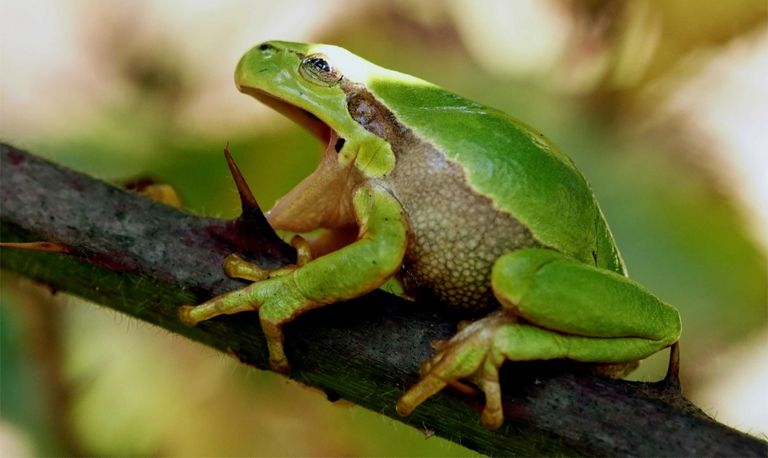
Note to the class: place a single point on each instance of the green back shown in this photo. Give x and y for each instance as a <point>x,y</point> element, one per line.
<point>514,165</point>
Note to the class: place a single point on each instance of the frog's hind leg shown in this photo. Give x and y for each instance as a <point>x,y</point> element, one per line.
<point>477,352</point>
<point>561,294</point>
<point>554,307</point>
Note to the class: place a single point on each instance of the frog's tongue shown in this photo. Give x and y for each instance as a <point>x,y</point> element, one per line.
<point>323,199</point>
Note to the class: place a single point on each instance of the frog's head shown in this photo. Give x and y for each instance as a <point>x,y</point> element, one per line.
<point>303,82</point>
<point>307,83</point>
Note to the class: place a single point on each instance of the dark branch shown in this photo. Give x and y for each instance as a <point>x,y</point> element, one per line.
<point>146,259</point>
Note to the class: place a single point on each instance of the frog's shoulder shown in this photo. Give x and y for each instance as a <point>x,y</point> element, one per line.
<point>521,171</point>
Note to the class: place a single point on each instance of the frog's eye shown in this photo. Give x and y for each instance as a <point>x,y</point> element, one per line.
<point>315,68</point>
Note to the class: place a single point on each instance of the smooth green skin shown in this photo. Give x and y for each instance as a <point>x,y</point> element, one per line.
<point>573,296</point>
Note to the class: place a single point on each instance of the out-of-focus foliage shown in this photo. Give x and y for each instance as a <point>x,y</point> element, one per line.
<point>128,89</point>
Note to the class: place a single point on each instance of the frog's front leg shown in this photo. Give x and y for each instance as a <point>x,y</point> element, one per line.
<point>553,307</point>
<point>343,274</point>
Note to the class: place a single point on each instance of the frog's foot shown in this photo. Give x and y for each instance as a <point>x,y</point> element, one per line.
<point>237,267</point>
<point>276,301</point>
<point>253,297</point>
<point>471,354</point>
<point>278,362</point>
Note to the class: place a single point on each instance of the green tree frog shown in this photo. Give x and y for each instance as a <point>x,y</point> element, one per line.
<point>449,197</point>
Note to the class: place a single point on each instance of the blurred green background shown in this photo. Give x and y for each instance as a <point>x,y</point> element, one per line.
<point>661,104</point>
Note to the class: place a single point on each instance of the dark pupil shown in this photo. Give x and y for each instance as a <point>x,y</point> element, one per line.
<point>320,65</point>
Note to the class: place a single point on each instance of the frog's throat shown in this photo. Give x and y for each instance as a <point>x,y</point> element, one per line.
<point>321,200</point>
<point>300,210</point>
<point>298,115</point>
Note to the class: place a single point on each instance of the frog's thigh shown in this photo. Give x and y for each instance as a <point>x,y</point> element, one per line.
<point>579,311</point>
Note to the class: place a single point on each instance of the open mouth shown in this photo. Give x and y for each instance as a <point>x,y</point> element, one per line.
<point>322,199</point>
<point>299,115</point>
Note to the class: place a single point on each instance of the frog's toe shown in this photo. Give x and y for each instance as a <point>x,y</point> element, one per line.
<point>492,416</point>
<point>280,365</point>
<point>185,315</point>
<point>461,387</point>
<point>432,361</point>
<point>419,393</point>
<point>438,345</point>
<point>237,267</point>
<point>488,380</point>
<point>273,333</point>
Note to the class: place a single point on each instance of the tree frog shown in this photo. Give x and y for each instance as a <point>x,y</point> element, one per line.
<point>448,197</point>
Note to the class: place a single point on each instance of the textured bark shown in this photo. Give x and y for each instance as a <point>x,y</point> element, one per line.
<point>145,259</point>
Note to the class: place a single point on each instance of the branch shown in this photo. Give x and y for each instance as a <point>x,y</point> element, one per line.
<point>145,259</point>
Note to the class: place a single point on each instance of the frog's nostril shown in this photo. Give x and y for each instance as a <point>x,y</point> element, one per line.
<point>266,47</point>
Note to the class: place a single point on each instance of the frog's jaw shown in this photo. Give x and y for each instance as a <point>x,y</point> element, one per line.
<point>301,210</point>
<point>298,115</point>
